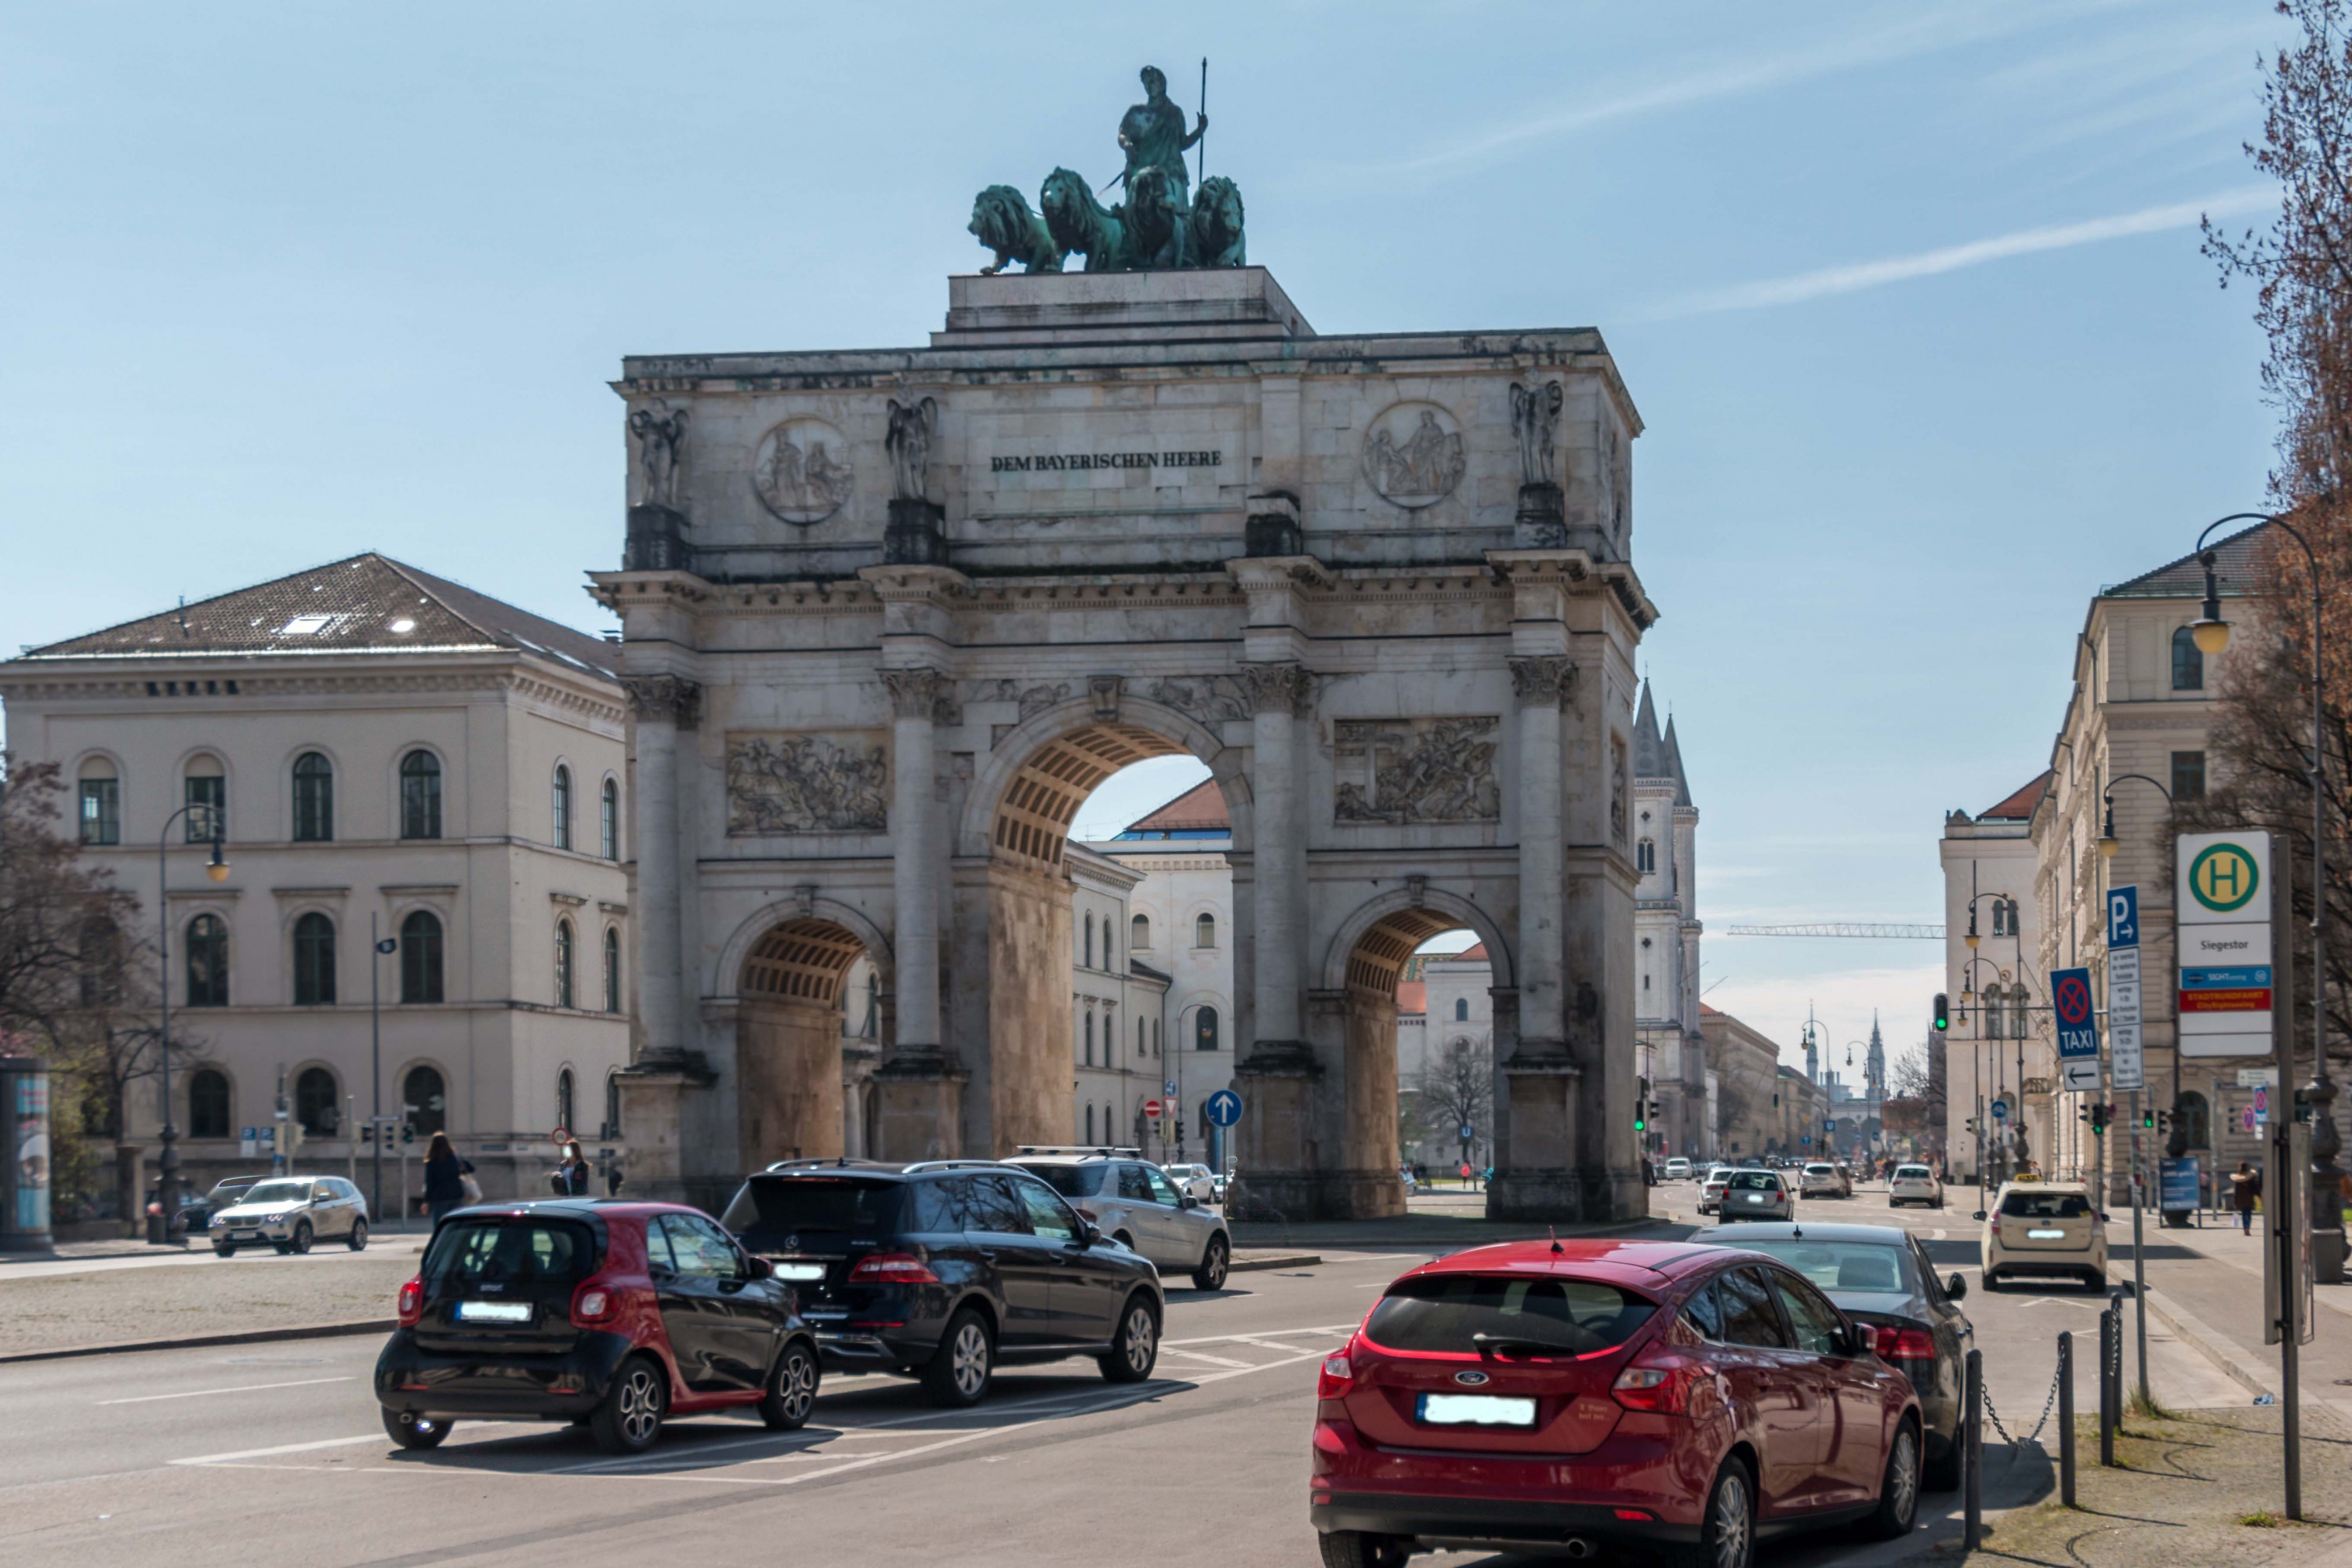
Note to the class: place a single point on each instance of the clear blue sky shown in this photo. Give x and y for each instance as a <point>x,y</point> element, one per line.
<point>1909,295</point>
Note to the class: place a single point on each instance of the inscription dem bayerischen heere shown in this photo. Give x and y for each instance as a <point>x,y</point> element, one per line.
<point>1055,462</point>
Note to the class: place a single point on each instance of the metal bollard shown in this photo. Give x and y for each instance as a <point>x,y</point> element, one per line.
<point>2066,1419</point>
<point>1972,1448</point>
<point>2110,1354</point>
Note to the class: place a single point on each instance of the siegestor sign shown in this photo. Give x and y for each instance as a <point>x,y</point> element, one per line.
<point>2222,904</point>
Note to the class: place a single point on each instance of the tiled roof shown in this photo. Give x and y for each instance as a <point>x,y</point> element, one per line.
<point>1201,809</point>
<point>1473,953</point>
<point>2020,805</point>
<point>2235,560</point>
<point>369,604</point>
<point>1412,997</point>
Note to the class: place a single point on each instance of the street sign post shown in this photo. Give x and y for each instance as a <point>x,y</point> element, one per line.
<point>2078,1030</point>
<point>1152,1109</point>
<point>2125,1069</point>
<point>2223,907</point>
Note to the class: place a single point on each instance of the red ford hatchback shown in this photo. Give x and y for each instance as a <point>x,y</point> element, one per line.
<point>1556,1396</point>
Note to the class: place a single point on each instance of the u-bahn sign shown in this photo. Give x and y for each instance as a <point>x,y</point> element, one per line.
<point>2223,908</point>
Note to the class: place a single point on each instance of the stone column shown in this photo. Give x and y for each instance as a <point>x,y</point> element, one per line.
<point>920,1084</point>
<point>1280,695</point>
<point>663,704</point>
<point>1542,685</point>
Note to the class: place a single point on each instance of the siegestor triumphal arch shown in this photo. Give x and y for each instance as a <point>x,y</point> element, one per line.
<point>891,615</point>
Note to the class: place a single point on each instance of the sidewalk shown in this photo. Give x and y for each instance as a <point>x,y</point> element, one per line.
<point>2208,1285</point>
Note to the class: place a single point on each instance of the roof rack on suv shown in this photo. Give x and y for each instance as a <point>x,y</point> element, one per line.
<point>946,1164</point>
<point>809,1162</point>
<point>1096,1151</point>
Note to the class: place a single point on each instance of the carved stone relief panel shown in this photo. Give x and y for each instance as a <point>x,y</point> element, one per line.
<point>779,782</point>
<point>802,471</point>
<point>1415,454</point>
<point>1211,698</point>
<point>1417,770</point>
<point>1031,700</point>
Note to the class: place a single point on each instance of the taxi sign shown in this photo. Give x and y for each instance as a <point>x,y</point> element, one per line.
<point>2078,1029</point>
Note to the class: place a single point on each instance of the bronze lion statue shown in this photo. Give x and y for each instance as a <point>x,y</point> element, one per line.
<point>1217,225</point>
<point>1081,223</point>
<point>1001,221</point>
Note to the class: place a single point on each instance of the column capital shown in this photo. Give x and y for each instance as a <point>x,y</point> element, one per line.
<point>914,693</point>
<point>670,699</point>
<point>1277,689</point>
<point>1543,681</point>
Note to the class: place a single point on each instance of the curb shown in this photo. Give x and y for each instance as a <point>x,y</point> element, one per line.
<point>2218,1348</point>
<point>197,1342</point>
<point>1281,1260</point>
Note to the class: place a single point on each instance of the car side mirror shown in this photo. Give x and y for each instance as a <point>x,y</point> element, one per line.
<point>1088,1233</point>
<point>1187,1201</point>
<point>1956,1287</point>
<point>760,1268</point>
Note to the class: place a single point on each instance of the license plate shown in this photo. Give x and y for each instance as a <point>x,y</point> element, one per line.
<point>1475,1410</point>
<point>800,1270</point>
<point>1756,1197</point>
<point>494,1311</point>
<point>2046,1236</point>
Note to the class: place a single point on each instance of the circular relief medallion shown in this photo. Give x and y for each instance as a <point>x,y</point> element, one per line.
<point>800,470</point>
<point>1413,454</point>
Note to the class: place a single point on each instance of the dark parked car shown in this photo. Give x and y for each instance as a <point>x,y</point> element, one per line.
<point>610,1315</point>
<point>1564,1396</point>
<point>945,1269</point>
<point>1879,1275</point>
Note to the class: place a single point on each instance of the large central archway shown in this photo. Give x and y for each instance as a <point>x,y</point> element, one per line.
<point>790,1101</point>
<point>1014,885</point>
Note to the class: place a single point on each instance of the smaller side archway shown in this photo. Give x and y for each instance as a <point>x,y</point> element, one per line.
<point>787,1040</point>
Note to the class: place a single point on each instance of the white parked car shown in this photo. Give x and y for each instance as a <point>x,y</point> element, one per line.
<point>288,1213</point>
<point>1677,1170</point>
<point>1913,1184</point>
<point>1193,1181</point>
<point>1823,1180</point>
<point>1710,1191</point>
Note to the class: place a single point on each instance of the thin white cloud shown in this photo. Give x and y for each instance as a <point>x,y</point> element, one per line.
<point>1857,276</point>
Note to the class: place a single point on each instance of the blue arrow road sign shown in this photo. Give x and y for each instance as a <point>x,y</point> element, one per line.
<point>2001,1110</point>
<point>1223,1108</point>
<point>2123,917</point>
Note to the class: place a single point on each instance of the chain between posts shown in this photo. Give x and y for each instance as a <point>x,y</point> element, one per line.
<point>2049,1400</point>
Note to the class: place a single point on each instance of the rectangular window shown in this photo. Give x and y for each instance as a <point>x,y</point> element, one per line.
<point>2187,776</point>
<point>207,799</point>
<point>101,811</point>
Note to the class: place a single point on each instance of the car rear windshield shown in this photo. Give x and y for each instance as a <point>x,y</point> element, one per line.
<point>1914,1174</point>
<point>278,1193</point>
<point>2045,1205</point>
<point>1755,1181</point>
<point>515,1250</point>
<point>1821,1170</point>
<point>1073,1180</point>
<point>768,1212</point>
<point>1846,1266</point>
<point>1470,1312</point>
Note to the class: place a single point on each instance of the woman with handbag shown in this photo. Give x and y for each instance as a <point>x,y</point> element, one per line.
<point>448,1180</point>
<point>570,1178</point>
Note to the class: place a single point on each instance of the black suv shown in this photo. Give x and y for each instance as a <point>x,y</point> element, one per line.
<point>944,1268</point>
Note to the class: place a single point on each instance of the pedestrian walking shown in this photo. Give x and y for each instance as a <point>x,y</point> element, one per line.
<point>614,1177</point>
<point>445,1178</point>
<point>1465,1175</point>
<point>570,1177</point>
<point>2245,1186</point>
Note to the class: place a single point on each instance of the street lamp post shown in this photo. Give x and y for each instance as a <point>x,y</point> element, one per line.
<point>163,1218</point>
<point>2212,635</point>
<point>1978,1059</point>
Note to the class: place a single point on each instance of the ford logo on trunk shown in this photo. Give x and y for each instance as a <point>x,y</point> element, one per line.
<point>1470,1379</point>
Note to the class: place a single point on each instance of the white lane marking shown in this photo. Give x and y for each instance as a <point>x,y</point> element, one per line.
<point>1201,1356</point>
<point>1346,1328</point>
<point>241,1388</point>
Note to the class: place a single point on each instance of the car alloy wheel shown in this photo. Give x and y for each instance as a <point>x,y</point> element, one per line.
<point>301,1239</point>
<point>358,1239</point>
<point>968,1362</point>
<point>1898,1489</point>
<point>1210,1275</point>
<point>630,1417</point>
<point>223,1249</point>
<point>1727,1535</point>
<point>792,1392</point>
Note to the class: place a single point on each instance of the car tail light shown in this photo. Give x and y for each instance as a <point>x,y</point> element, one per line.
<point>1660,1388</point>
<point>1634,1515</point>
<point>1905,1345</point>
<point>412,1303</point>
<point>593,1302</point>
<point>1336,1376</point>
<point>892,1269</point>
<point>1995,1223</point>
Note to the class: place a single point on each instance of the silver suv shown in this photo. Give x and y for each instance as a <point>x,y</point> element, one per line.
<point>289,1212</point>
<point>1132,1201</point>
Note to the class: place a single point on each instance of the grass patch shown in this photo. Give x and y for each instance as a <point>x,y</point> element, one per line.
<point>2261,1519</point>
<point>2147,1409</point>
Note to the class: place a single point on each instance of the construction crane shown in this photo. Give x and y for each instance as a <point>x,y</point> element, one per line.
<point>1877,929</point>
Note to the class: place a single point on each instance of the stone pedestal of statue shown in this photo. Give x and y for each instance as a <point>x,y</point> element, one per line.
<point>916,535</point>
<point>1542,520</point>
<point>657,540</point>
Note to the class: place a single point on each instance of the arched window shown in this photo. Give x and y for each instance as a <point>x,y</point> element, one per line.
<point>1090,1124</point>
<point>612,1128</point>
<point>102,803</point>
<point>314,961</point>
<point>1993,998</point>
<point>565,1102</point>
<point>2020,999</point>
<point>1204,1028</point>
<point>2188,664</point>
<point>206,793</point>
<point>1645,856</point>
<point>608,838</point>
<point>100,955</point>
<point>207,963</point>
<point>564,963</point>
<point>1089,960</point>
<point>612,969</point>
<point>1205,931</point>
<point>2196,1116</point>
<point>208,1114</point>
<point>1089,1058</point>
<point>424,1102</point>
<point>1141,1036</point>
<point>317,1105</point>
<point>1462,1009</point>
<point>420,957</point>
<point>314,798</point>
<point>563,808</point>
<point>1139,934</point>
<point>420,796</point>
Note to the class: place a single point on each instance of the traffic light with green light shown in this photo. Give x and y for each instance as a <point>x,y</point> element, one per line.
<point>1943,1012</point>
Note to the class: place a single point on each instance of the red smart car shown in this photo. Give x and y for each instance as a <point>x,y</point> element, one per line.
<point>1554,1396</point>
